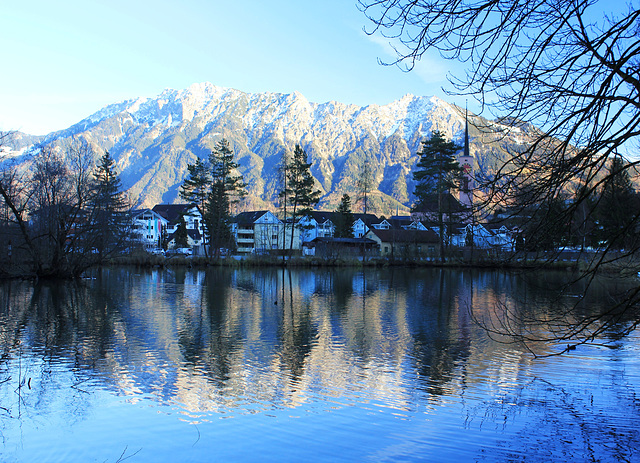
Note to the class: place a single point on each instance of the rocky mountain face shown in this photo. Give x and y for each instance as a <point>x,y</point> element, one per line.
<point>153,140</point>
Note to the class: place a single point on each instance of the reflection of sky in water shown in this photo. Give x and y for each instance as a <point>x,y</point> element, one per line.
<point>312,365</point>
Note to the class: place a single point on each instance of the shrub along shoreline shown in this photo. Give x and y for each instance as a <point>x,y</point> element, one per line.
<point>628,268</point>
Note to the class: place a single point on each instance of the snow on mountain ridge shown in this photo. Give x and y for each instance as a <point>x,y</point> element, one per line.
<point>287,116</point>
<point>173,107</point>
<point>154,139</point>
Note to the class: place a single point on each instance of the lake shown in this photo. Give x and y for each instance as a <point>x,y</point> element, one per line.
<point>176,365</point>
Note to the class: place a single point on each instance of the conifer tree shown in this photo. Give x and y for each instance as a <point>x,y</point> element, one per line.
<point>108,205</point>
<point>364,184</point>
<point>437,172</point>
<point>180,236</point>
<point>344,218</point>
<point>299,192</point>
<point>213,186</point>
<point>195,188</point>
<point>225,191</point>
<point>618,206</point>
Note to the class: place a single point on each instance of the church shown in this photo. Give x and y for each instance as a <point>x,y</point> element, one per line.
<point>460,209</point>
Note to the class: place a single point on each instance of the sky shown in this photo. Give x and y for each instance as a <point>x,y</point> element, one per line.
<point>64,60</point>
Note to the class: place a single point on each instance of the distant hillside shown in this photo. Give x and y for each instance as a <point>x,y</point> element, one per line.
<point>153,140</point>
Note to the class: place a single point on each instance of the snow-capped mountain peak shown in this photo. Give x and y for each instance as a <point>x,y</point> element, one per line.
<point>154,139</point>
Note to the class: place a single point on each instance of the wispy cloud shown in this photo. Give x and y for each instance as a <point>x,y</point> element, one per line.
<point>431,68</point>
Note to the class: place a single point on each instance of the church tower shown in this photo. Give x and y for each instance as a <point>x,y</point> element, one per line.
<point>465,159</point>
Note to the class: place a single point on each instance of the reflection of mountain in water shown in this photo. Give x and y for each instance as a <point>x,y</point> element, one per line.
<point>235,338</point>
<point>382,364</point>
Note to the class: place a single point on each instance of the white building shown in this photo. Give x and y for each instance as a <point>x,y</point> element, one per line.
<point>318,224</point>
<point>257,232</point>
<point>147,228</point>
<point>174,213</point>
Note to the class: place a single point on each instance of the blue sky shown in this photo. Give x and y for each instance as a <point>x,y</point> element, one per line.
<point>64,60</point>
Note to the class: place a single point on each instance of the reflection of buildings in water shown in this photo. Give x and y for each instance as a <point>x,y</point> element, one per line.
<point>272,353</point>
<point>219,342</point>
<point>489,292</point>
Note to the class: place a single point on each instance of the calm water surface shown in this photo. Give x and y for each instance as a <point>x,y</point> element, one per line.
<point>266,365</point>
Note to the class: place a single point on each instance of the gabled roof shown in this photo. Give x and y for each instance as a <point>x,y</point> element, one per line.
<point>479,229</point>
<point>406,236</point>
<point>322,216</point>
<point>172,212</point>
<point>450,205</point>
<point>249,217</point>
<point>138,212</point>
<point>495,227</point>
<point>400,221</point>
<point>368,219</point>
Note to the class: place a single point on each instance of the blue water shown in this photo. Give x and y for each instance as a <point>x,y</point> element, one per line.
<point>254,365</point>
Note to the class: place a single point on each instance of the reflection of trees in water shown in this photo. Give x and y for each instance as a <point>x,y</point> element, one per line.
<point>58,318</point>
<point>553,312</point>
<point>246,331</point>
<point>297,330</point>
<point>192,329</point>
<point>46,325</point>
<point>224,334</point>
<point>439,329</point>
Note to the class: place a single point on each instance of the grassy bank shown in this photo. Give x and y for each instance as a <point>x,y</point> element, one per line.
<point>147,260</point>
<point>627,267</point>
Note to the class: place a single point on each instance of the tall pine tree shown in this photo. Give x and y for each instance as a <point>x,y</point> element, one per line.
<point>344,218</point>
<point>226,190</point>
<point>196,186</point>
<point>299,192</point>
<point>618,206</point>
<point>364,184</point>
<point>215,188</point>
<point>108,206</point>
<point>437,172</point>
<point>195,189</point>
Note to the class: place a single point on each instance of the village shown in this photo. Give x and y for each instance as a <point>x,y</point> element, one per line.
<point>263,233</point>
<point>439,223</point>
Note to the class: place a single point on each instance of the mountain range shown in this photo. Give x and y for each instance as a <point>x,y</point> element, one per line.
<point>154,139</point>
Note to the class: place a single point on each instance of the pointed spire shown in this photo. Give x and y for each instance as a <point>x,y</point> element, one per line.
<point>466,132</point>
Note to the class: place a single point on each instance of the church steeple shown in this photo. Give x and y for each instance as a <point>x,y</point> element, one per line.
<point>466,134</point>
<point>466,162</point>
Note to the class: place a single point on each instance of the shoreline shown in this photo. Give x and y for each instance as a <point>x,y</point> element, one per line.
<point>627,267</point>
